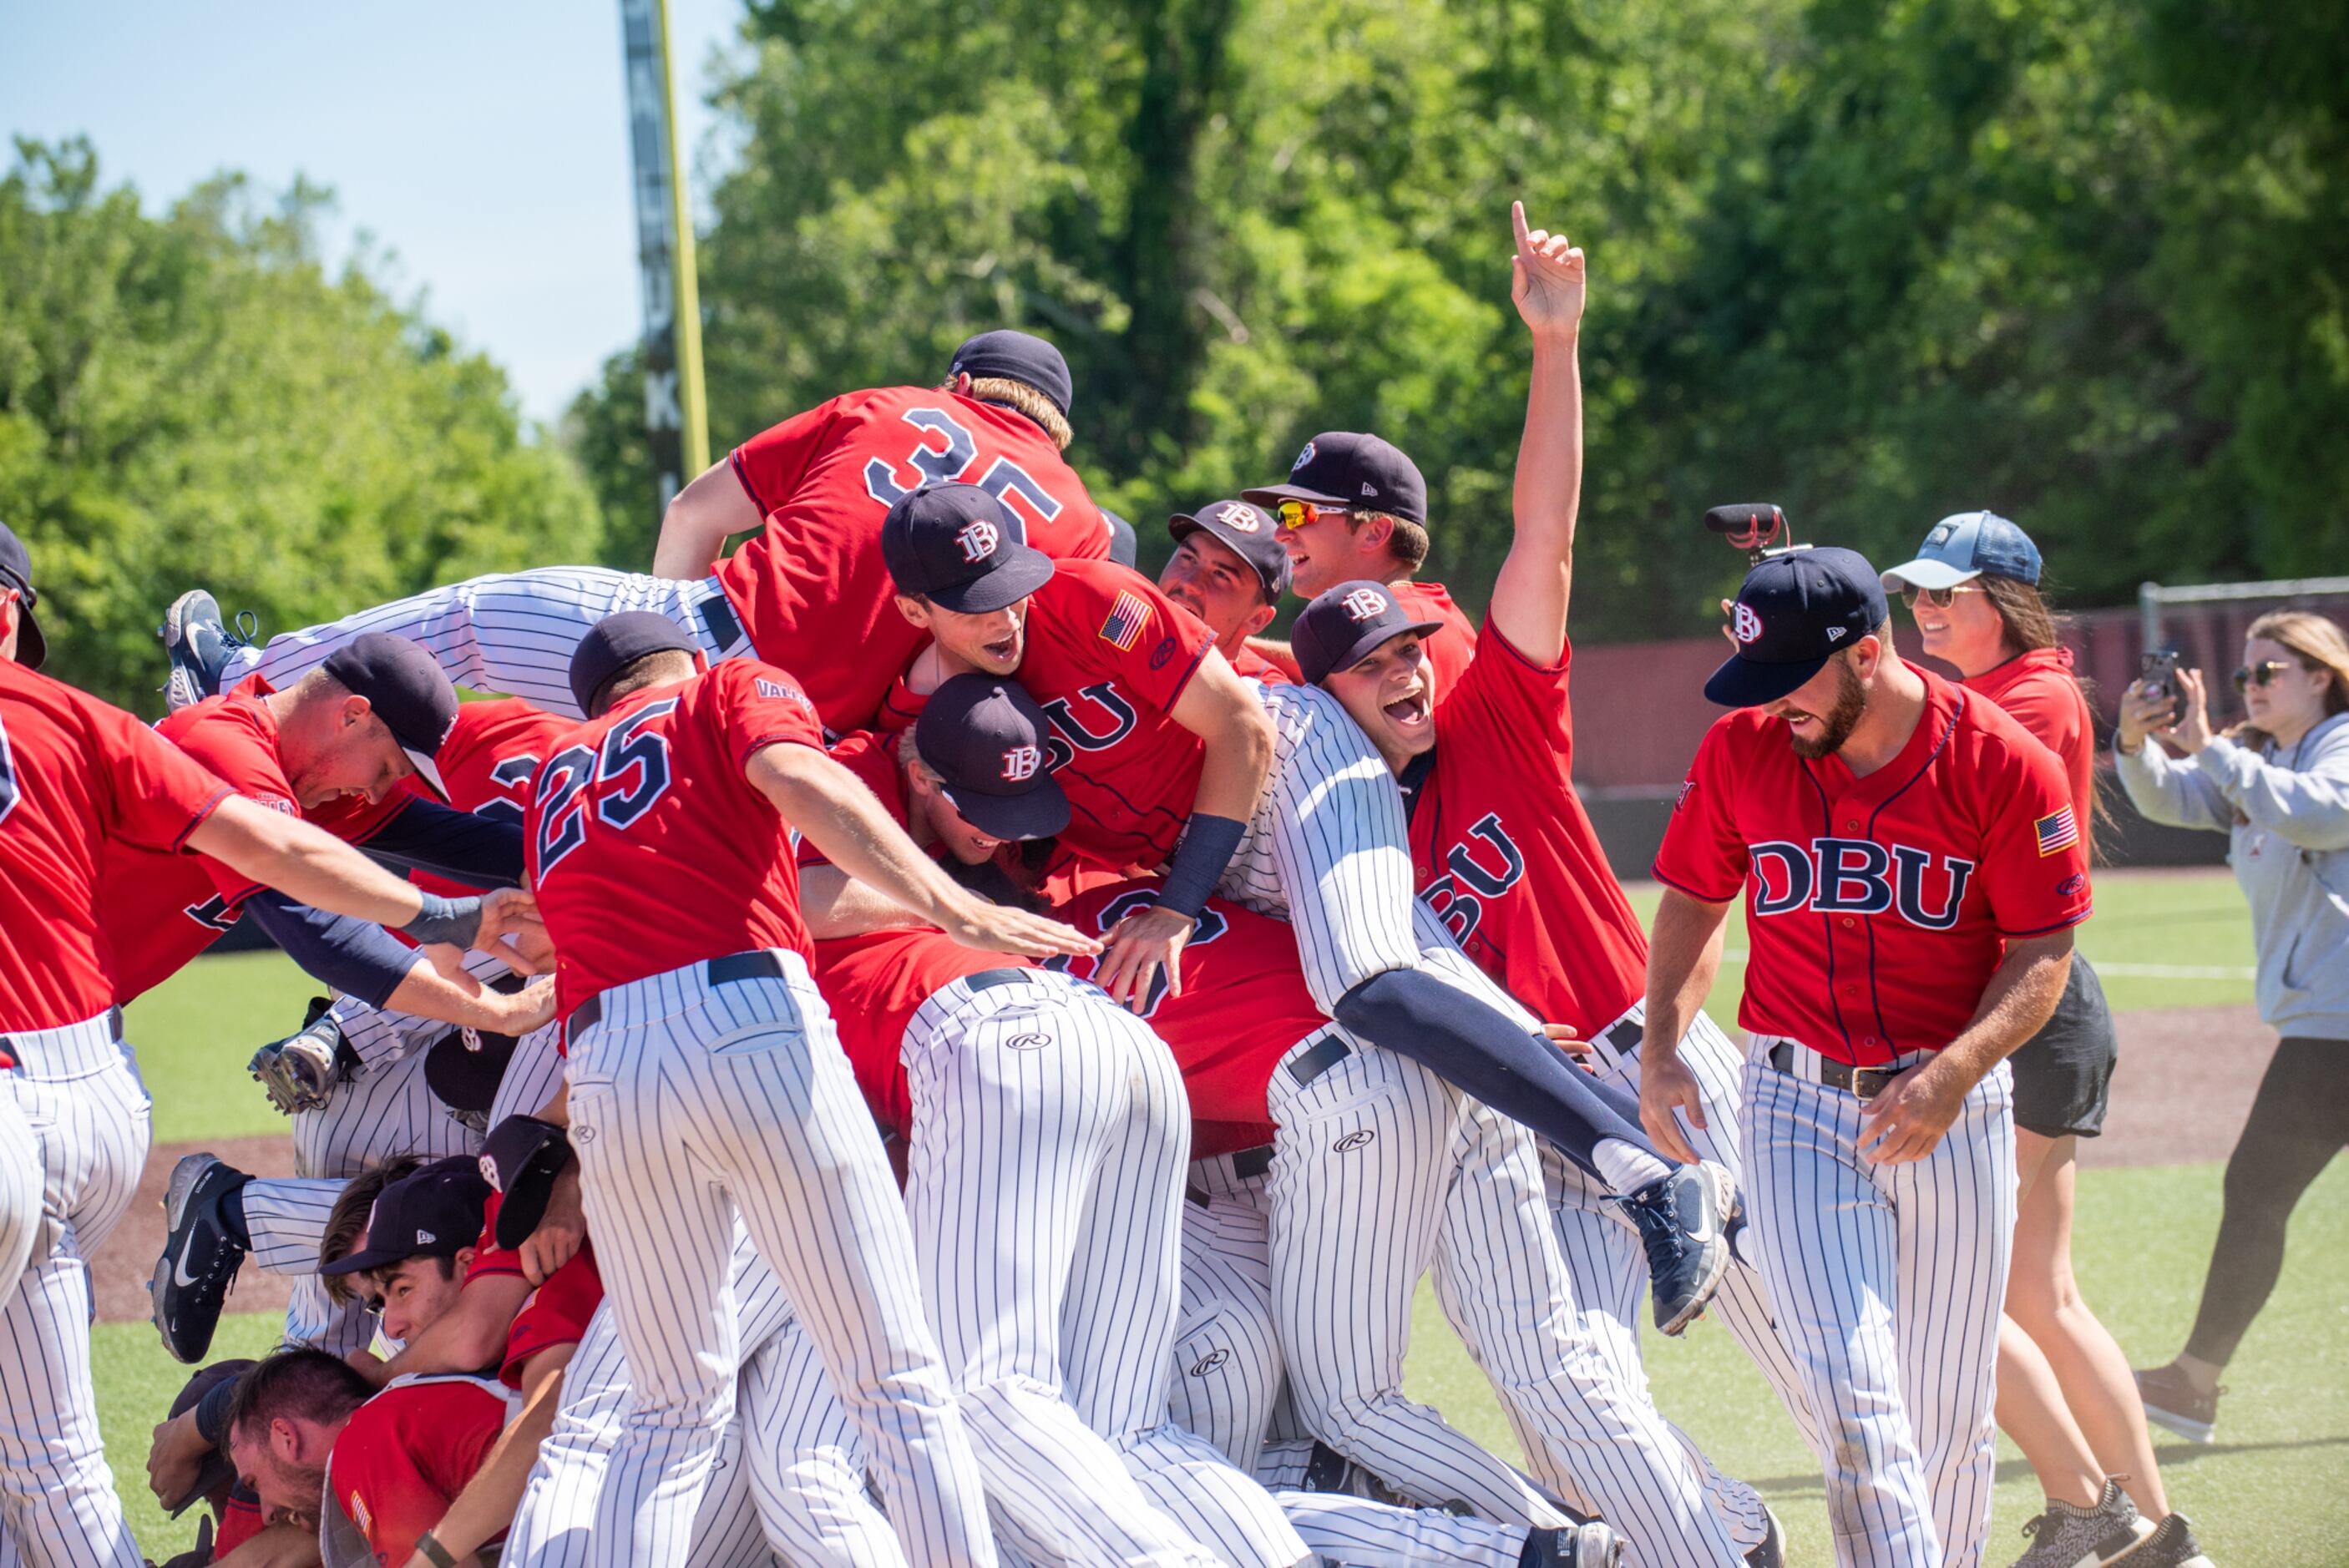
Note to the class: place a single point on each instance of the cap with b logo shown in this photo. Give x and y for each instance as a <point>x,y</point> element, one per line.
<point>1793,612</point>
<point>1966,545</point>
<point>1345,624</point>
<point>16,571</point>
<point>1016,356</point>
<point>1248,530</point>
<point>962,549</point>
<point>989,744</point>
<point>432,1213</point>
<point>408,691</point>
<point>1349,469</point>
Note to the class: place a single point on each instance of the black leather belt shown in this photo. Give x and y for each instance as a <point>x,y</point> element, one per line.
<point>1247,1165</point>
<point>1626,1036</point>
<point>718,620</point>
<point>988,979</point>
<point>1320,1059</point>
<point>1866,1083</point>
<point>755,965</point>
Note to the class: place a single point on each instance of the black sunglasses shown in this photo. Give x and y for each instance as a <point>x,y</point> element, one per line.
<point>1938,598</point>
<point>2261,674</point>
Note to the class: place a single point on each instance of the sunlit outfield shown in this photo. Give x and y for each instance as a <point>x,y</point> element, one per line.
<point>2274,1492</point>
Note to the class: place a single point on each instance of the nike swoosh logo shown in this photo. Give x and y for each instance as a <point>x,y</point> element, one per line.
<point>179,1275</point>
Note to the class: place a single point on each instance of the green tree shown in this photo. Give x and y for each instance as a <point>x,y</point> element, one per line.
<point>194,399</point>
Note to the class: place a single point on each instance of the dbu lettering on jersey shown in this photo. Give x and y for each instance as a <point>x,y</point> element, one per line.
<point>1483,865</point>
<point>1860,876</point>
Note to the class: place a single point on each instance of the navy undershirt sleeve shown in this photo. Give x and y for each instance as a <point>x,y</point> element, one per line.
<point>355,958</point>
<point>477,851</point>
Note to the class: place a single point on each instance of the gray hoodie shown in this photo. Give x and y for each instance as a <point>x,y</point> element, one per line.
<point>2287,815</point>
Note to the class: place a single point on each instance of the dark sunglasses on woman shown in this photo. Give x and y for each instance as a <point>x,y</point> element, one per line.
<point>2261,674</point>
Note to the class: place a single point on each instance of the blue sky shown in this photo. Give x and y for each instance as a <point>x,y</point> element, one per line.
<point>484,144</point>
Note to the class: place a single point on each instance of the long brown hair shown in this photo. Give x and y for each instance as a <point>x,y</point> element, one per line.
<point>2318,643</point>
<point>2032,623</point>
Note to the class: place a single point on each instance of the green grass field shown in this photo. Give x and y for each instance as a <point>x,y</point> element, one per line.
<point>2274,1492</point>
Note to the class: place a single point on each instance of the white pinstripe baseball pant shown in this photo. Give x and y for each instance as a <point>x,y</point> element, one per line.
<point>76,1090</point>
<point>692,1103</point>
<point>1227,1373</point>
<point>20,1194</point>
<point>510,631</point>
<point>1045,1182</point>
<point>1888,1281</point>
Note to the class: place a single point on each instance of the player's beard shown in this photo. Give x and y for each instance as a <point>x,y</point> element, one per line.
<point>1837,724</point>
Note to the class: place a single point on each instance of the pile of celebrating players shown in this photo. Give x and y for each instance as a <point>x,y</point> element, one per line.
<point>912,1043</point>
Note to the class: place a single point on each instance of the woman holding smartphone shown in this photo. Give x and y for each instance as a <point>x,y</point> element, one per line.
<point>2278,786</point>
<point>2065,1395</point>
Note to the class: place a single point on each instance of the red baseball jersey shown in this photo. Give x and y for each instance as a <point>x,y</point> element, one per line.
<point>1877,907</point>
<point>1244,1003</point>
<point>2039,692</point>
<point>1503,852</point>
<point>874,985</point>
<point>1255,666</point>
<point>240,1522</point>
<point>1107,657</point>
<point>556,1313</point>
<point>1449,650</point>
<point>405,1455</point>
<point>811,584</point>
<point>78,778</point>
<point>649,845</point>
<point>163,908</point>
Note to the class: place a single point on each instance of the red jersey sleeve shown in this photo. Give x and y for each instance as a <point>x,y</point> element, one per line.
<point>871,756</point>
<point>556,1314</point>
<point>156,794</point>
<point>406,1453</point>
<point>1520,705</point>
<point>1139,635</point>
<point>764,708</point>
<point>770,464</point>
<point>2035,853</point>
<point>230,745</point>
<point>1703,854</point>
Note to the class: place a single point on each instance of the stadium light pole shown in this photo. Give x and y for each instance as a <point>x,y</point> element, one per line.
<point>677,419</point>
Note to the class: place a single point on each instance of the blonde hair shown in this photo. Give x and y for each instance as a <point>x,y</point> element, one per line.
<point>2319,644</point>
<point>1022,398</point>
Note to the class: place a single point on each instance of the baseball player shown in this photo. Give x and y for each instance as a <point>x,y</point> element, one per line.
<point>357,1079</point>
<point>706,1080</point>
<point>1504,855</point>
<point>77,780</point>
<point>807,592</point>
<point>1913,868</point>
<point>1355,507</point>
<point>1229,570</point>
<point>373,714</point>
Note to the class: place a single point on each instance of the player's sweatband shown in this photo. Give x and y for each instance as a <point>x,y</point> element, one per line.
<point>1199,863</point>
<point>455,921</point>
<point>433,1552</point>
<point>356,957</point>
<point>426,836</point>
<point>1476,1047</point>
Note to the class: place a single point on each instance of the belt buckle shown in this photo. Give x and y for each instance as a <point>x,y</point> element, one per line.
<point>1867,1083</point>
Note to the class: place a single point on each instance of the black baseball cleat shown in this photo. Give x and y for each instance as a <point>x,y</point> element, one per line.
<point>1772,1552</point>
<point>200,1256</point>
<point>199,643</point>
<point>1587,1545</point>
<point>1684,1221</point>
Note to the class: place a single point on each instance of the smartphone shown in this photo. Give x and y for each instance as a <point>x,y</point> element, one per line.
<point>2159,671</point>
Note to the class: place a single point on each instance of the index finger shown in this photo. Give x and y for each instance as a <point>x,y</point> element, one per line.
<point>1517,222</point>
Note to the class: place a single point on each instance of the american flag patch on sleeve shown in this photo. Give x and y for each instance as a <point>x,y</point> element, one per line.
<point>2057,832</point>
<point>1122,628</point>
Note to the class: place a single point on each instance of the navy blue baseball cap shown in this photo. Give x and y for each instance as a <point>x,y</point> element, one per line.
<point>1124,546</point>
<point>1349,469</point>
<point>962,549</point>
<point>16,571</point>
<point>1016,356</point>
<point>407,689</point>
<point>989,742</point>
<point>614,643</point>
<point>1793,612</point>
<point>1341,626</point>
<point>432,1213</point>
<point>1251,533</point>
<point>1966,545</point>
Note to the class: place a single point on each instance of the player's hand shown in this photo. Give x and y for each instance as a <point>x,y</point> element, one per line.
<point>531,1008</point>
<point>1144,943</point>
<point>1545,278</point>
<point>1906,1120</point>
<point>1563,1037</point>
<point>2191,733</point>
<point>369,1366</point>
<point>1666,1085</point>
<point>997,928</point>
<point>560,1230</point>
<point>511,931</point>
<point>1729,620</point>
<point>175,1458</point>
<point>2144,712</point>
